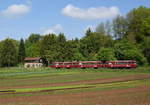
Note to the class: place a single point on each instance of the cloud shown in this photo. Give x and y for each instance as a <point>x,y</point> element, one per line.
<point>15,11</point>
<point>54,29</point>
<point>90,13</point>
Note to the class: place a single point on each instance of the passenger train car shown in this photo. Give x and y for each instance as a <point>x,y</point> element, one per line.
<point>96,64</point>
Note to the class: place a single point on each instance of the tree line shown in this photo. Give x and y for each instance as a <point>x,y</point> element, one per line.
<point>124,38</point>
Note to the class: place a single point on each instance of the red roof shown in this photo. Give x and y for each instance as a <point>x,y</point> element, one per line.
<point>35,58</point>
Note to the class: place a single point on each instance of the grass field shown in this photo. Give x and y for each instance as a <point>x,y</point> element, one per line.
<point>46,86</point>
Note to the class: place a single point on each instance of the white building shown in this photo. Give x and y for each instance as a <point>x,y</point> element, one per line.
<point>33,62</point>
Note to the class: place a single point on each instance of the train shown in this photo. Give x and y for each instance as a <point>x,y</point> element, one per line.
<point>95,64</point>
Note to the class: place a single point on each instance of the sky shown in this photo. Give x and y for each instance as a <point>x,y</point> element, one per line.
<point>20,18</point>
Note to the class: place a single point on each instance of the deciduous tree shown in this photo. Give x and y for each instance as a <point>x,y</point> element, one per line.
<point>8,53</point>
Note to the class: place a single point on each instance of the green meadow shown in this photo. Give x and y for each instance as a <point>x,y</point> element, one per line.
<point>21,76</point>
<point>16,82</point>
<point>13,77</point>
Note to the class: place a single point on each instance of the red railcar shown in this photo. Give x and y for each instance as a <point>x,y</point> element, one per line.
<point>96,64</point>
<point>65,65</point>
<point>121,64</point>
<point>90,64</point>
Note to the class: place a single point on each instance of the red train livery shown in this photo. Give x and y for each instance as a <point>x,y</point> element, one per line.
<point>96,64</point>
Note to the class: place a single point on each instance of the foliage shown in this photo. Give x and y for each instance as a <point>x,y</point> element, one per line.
<point>48,47</point>
<point>104,28</point>
<point>33,38</point>
<point>145,27</point>
<point>70,50</point>
<point>101,29</point>
<point>127,51</point>
<point>90,45</point>
<point>61,48</point>
<point>119,27</point>
<point>106,54</point>
<point>88,32</point>
<point>78,56</point>
<point>8,53</point>
<point>32,45</point>
<point>33,50</point>
<point>136,21</point>
<point>21,52</point>
<point>146,48</point>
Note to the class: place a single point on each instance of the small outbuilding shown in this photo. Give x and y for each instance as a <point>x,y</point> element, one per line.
<point>35,62</point>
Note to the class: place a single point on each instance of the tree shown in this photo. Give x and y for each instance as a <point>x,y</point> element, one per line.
<point>73,53</point>
<point>33,50</point>
<point>101,29</point>
<point>120,27</point>
<point>48,48</point>
<point>145,27</point>
<point>106,54</point>
<point>61,50</point>
<point>146,48</point>
<point>21,52</point>
<point>89,46</point>
<point>32,45</point>
<point>8,53</point>
<point>70,50</point>
<point>137,19</point>
<point>78,56</point>
<point>33,38</point>
<point>88,32</point>
<point>127,51</point>
<point>108,28</point>
<point>130,37</point>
